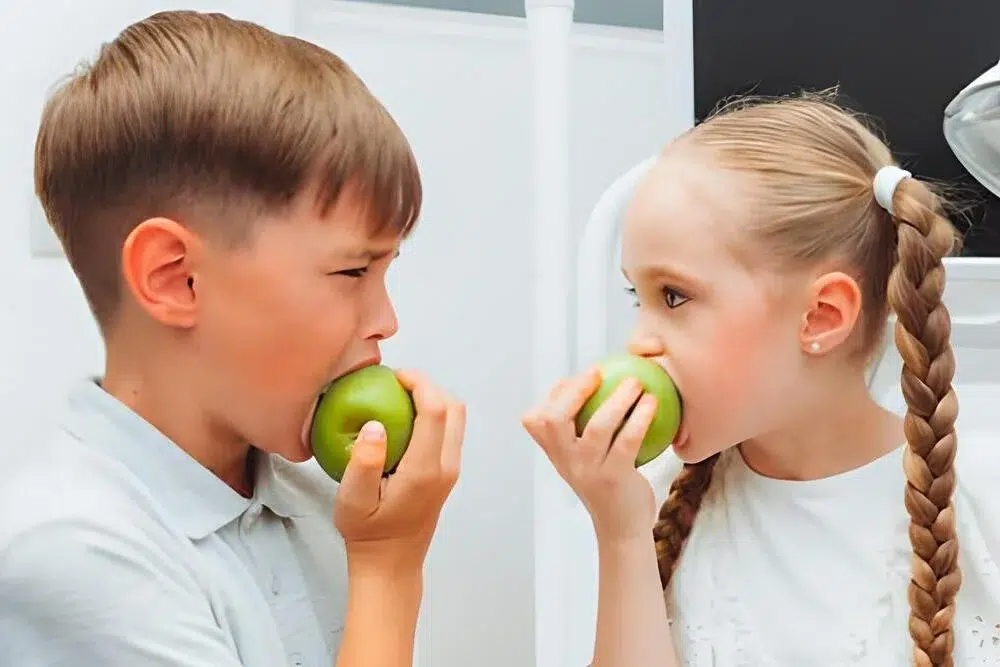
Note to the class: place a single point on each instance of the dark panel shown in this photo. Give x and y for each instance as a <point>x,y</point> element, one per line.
<point>901,61</point>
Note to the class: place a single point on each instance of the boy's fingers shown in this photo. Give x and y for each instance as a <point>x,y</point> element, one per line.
<point>409,379</point>
<point>361,488</point>
<point>454,436</point>
<point>629,439</point>
<point>424,451</point>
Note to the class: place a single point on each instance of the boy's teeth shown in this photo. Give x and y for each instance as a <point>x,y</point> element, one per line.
<point>307,426</point>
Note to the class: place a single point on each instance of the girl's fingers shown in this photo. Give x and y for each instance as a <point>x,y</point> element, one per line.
<point>551,424</point>
<point>626,446</point>
<point>557,390</point>
<point>575,393</point>
<point>604,424</point>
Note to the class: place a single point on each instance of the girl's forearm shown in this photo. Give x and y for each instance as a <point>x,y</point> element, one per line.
<point>632,627</point>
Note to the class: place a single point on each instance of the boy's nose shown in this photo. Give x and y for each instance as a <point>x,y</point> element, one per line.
<point>386,325</point>
<point>383,323</point>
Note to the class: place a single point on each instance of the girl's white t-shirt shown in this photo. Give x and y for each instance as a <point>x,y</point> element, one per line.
<point>814,574</point>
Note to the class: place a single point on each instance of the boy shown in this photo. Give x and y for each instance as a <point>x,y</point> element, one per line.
<point>230,200</point>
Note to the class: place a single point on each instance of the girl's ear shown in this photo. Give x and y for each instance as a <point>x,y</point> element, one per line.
<point>831,313</point>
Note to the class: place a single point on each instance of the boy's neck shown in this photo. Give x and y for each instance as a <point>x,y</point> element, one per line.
<point>844,430</point>
<point>162,398</point>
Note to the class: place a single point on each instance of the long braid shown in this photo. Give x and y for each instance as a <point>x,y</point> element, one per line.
<point>922,333</point>
<point>678,513</point>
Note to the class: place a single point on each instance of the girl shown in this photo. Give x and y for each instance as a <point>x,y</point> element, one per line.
<point>804,524</point>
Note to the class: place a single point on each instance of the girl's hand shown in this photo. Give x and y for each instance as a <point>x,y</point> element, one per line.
<point>600,464</point>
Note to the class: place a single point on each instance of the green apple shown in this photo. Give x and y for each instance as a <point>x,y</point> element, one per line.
<point>654,380</point>
<point>372,393</point>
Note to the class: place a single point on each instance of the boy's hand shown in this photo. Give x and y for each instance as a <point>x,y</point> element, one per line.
<point>387,523</point>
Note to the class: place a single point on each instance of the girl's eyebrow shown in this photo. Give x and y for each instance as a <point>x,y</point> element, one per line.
<point>668,274</point>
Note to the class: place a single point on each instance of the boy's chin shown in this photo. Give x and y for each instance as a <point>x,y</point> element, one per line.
<point>297,456</point>
<point>296,450</point>
<point>297,447</point>
<point>293,449</point>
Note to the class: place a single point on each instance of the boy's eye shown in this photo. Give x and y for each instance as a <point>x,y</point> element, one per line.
<point>674,298</point>
<point>635,299</point>
<point>352,273</point>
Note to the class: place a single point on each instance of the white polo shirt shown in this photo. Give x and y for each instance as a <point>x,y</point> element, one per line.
<point>117,548</point>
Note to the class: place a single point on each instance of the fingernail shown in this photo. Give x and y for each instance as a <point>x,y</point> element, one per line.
<point>372,430</point>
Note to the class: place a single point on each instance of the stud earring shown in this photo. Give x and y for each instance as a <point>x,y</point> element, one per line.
<point>814,346</point>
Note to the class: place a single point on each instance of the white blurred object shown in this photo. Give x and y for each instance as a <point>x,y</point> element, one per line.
<point>549,27</point>
<point>972,128</point>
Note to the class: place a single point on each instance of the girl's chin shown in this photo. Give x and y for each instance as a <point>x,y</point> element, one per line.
<point>688,451</point>
<point>685,454</point>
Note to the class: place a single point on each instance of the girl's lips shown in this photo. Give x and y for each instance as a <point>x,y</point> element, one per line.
<point>682,435</point>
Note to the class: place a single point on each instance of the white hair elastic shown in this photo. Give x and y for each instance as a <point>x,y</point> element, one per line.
<point>886,181</point>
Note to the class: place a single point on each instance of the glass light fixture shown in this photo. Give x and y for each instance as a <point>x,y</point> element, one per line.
<point>972,128</point>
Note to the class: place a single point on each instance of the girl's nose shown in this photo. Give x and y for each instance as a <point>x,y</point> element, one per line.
<point>646,346</point>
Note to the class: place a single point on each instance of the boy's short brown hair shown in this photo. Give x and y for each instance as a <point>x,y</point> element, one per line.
<point>213,122</point>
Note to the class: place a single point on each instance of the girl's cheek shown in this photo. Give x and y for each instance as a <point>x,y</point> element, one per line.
<point>731,362</point>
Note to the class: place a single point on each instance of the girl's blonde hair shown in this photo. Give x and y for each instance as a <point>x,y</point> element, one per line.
<point>811,165</point>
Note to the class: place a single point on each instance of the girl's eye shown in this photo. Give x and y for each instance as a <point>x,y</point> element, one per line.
<point>671,297</point>
<point>674,298</point>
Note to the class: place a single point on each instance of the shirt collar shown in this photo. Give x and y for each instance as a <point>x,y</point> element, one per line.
<point>293,490</point>
<point>198,501</point>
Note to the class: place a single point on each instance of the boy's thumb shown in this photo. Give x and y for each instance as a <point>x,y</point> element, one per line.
<point>362,480</point>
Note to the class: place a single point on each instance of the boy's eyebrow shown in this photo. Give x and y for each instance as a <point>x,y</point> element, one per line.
<point>371,255</point>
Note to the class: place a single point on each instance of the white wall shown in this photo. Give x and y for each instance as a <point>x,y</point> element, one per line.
<point>463,287</point>
<point>48,338</point>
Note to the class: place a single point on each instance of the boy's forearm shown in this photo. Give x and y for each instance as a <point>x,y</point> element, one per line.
<point>632,627</point>
<point>382,611</point>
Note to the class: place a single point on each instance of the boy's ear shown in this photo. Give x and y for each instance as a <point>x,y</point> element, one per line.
<point>831,313</point>
<point>158,270</point>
